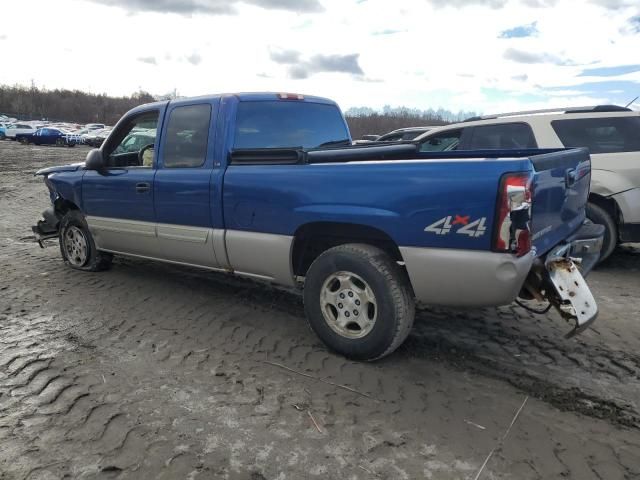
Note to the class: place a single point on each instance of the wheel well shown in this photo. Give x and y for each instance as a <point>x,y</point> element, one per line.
<point>312,239</point>
<point>62,206</point>
<point>608,205</point>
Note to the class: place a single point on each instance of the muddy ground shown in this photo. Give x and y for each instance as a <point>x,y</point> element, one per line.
<point>156,371</point>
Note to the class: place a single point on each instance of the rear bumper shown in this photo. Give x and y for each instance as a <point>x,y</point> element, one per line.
<point>465,278</point>
<point>475,278</point>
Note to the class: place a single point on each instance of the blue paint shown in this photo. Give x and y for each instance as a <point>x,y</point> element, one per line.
<point>400,198</point>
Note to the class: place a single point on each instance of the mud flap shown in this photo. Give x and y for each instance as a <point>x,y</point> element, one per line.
<point>574,298</point>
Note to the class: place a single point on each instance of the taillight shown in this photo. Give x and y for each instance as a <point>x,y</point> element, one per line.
<point>291,96</point>
<point>513,222</point>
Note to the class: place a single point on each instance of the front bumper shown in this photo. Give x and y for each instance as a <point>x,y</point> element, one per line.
<point>46,228</point>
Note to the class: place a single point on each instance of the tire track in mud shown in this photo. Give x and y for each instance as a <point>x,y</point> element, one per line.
<point>147,369</point>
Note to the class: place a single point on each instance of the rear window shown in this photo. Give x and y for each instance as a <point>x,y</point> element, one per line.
<point>504,136</point>
<point>282,124</point>
<point>600,135</point>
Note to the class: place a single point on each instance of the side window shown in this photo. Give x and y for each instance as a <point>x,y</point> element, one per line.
<point>442,142</point>
<point>504,136</point>
<point>185,143</point>
<point>130,138</point>
<point>600,135</point>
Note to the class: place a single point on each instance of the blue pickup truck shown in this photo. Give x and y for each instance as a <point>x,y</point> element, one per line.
<point>269,186</point>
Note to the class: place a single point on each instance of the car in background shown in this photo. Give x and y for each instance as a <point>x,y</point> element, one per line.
<point>95,138</point>
<point>14,129</point>
<point>48,136</point>
<point>3,126</point>
<point>94,126</point>
<point>610,132</point>
<point>403,134</point>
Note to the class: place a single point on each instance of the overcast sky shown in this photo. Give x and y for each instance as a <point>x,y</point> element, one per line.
<point>473,55</point>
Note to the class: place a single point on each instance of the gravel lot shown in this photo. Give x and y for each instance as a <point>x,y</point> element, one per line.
<point>156,371</point>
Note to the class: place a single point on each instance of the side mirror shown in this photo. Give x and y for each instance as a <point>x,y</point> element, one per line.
<point>94,160</point>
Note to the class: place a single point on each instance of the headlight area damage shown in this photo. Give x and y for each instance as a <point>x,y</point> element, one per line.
<point>47,228</point>
<point>559,278</point>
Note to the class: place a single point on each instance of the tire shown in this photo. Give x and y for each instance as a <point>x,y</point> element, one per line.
<point>599,215</point>
<point>384,323</point>
<point>59,142</point>
<point>24,141</point>
<point>77,246</point>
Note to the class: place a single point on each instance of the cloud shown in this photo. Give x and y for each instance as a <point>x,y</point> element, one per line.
<point>300,69</point>
<point>211,7</point>
<point>285,56</point>
<point>522,56</point>
<point>3,37</point>
<point>389,31</point>
<point>521,31</point>
<point>149,60</point>
<point>520,78</point>
<point>495,4</point>
<point>193,59</point>
<point>615,4</point>
<point>610,71</point>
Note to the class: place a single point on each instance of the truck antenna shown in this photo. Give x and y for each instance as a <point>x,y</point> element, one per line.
<point>632,102</point>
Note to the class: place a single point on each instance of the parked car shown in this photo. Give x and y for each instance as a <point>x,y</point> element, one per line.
<point>14,129</point>
<point>3,126</point>
<point>94,126</point>
<point>611,133</point>
<point>96,137</point>
<point>364,231</point>
<point>48,136</point>
<point>403,134</point>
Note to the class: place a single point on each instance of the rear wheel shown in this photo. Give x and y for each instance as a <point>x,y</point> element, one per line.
<point>358,301</point>
<point>60,142</point>
<point>600,216</point>
<point>77,246</point>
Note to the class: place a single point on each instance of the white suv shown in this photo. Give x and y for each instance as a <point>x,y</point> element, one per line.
<point>611,133</point>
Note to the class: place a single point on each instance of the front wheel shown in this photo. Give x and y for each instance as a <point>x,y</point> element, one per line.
<point>358,301</point>
<point>77,246</point>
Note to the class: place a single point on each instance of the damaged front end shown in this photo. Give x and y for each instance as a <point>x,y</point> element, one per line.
<point>47,228</point>
<point>559,278</point>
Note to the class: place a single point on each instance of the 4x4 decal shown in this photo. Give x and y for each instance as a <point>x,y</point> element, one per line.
<point>444,226</point>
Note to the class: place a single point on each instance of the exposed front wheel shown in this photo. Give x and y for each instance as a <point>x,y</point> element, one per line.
<point>358,301</point>
<point>600,216</point>
<point>77,246</point>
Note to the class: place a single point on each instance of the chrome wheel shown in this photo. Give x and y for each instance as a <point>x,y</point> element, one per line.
<point>348,305</point>
<point>75,245</point>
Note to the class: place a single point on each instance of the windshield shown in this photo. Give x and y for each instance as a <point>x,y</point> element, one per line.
<point>282,124</point>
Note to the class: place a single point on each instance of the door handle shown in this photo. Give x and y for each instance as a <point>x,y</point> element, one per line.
<point>571,176</point>
<point>143,187</point>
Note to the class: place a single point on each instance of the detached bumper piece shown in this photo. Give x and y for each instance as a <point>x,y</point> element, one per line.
<point>566,266</point>
<point>47,228</point>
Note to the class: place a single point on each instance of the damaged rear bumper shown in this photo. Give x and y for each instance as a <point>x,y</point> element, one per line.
<point>559,277</point>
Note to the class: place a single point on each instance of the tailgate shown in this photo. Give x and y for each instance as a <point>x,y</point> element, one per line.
<point>560,193</point>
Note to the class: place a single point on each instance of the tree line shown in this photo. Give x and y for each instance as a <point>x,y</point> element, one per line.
<point>33,103</point>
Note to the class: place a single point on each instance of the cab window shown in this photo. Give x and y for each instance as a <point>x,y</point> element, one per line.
<point>185,142</point>
<point>132,143</point>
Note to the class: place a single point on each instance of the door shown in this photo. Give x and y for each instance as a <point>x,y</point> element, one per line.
<point>182,188</point>
<point>118,202</point>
